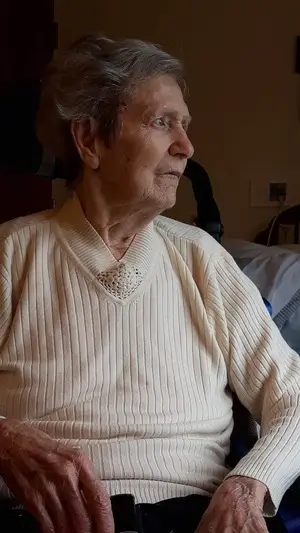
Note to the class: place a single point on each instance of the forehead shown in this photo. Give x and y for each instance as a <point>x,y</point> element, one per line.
<point>158,95</point>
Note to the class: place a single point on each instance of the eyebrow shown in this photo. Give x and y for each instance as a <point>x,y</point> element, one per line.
<point>176,116</point>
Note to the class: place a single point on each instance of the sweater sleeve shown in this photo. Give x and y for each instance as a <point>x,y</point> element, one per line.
<point>5,296</point>
<point>264,373</point>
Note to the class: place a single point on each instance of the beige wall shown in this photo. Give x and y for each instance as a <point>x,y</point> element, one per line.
<point>245,98</point>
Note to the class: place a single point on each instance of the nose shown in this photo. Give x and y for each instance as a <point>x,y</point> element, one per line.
<point>181,145</point>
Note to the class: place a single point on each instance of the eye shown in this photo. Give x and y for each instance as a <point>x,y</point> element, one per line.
<point>162,122</point>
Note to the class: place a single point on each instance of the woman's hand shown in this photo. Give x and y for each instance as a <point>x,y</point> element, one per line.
<point>236,507</point>
<point>53,482</point>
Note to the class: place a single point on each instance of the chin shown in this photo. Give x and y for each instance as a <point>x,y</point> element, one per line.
<point>169,201</point>
<point>165,195</point>
<point>171,194</point>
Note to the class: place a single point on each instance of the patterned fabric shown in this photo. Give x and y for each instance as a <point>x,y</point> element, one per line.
<point>121,281</point>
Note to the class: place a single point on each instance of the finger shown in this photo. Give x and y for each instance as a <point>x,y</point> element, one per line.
<point>76,511</point>
<point>36,506</point>
<point>96,498</point>
<point>55,507</point>
<point>27,495</point>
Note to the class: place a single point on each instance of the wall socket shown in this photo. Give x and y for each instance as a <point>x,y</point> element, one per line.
<point>277,192</point>
<point>268,194</point>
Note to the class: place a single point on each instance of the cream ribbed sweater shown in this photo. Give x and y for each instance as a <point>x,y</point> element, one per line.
<point>140,378</point>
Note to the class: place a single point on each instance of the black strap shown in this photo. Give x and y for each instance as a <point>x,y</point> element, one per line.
<point>208,213</point>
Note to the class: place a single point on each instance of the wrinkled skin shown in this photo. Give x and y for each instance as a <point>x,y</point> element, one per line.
<point>55,483</point>
<point>236,507</point>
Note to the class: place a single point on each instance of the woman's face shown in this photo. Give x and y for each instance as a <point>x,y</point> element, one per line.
<point>142,166</point>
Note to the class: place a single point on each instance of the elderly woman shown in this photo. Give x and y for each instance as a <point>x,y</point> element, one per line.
<point>123,335</point>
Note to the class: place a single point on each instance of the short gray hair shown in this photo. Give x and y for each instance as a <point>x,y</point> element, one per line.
<point>92,82</point>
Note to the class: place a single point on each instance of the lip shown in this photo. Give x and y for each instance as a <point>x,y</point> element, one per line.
<point>174,173</point>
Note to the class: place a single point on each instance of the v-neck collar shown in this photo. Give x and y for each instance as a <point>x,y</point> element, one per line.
<point>83,240</point>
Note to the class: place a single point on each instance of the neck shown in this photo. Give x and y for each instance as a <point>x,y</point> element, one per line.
<point>117,226</point>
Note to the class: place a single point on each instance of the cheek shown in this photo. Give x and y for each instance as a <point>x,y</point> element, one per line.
<point>152,155</point>
<point>141,156</point>
<point>140,159</point>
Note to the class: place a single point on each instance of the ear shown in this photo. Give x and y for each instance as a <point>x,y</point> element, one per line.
<point>86,142</point>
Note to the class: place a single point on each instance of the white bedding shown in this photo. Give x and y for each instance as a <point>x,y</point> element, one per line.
<point>292,247</point>
<point>276,272</point>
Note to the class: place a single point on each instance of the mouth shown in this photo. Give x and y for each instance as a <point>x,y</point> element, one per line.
<point>174,173</point>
